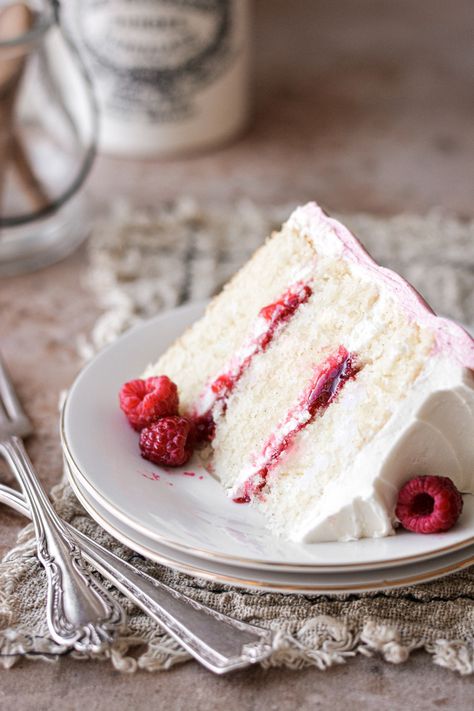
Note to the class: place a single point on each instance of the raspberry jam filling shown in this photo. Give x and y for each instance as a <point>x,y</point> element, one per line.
<point>326,383</point>
<point>270,320</point>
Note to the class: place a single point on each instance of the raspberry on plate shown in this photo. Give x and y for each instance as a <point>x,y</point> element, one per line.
<point>429,504</point>
<point>167,441</point>
<point>144,401</point>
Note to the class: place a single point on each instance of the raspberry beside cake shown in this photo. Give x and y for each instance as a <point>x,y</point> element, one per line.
<point>323,382</point>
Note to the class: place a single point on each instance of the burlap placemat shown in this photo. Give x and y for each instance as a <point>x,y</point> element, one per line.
<point>142,263</point>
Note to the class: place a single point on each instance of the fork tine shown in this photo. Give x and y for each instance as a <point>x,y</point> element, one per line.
<point>8,398</point>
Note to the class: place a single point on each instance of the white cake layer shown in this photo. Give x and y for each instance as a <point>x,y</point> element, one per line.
<point>343,310</point>
<point>207,346</point>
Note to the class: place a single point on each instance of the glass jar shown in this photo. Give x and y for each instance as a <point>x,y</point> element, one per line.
<point>48,130</point>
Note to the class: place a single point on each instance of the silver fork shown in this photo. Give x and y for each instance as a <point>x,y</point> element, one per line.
<point>81,613</point>
<point>220,643</point>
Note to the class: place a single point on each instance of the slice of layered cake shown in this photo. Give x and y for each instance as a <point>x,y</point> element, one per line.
<point>321,382</point>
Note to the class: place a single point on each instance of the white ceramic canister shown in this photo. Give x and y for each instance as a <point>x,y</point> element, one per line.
<point>170,76</point>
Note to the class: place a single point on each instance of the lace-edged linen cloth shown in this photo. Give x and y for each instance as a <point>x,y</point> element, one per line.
<point>141,263</point>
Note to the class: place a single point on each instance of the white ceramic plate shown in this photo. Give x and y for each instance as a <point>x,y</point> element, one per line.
<point>187,509</point>
<point>328,583</point>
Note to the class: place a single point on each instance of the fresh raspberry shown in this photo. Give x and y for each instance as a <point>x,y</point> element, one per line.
<point>167,441</point>
<point>428,504</point>
<point>145,401</point>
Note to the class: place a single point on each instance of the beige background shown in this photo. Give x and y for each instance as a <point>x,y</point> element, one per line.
<point>364,105</point>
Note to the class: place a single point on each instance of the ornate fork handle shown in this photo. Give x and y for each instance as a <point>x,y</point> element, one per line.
<point>217,641</point>
<point>81,613</point>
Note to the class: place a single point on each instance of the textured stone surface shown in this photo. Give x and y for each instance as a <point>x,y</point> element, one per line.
<point>365,106</point>
<point>367,684</point>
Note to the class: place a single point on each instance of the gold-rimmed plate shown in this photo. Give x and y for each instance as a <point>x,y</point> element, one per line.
<point>187,510</point>
<point>329,583</point>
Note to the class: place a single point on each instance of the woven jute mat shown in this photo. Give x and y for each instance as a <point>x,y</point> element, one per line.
<point>142,263</point>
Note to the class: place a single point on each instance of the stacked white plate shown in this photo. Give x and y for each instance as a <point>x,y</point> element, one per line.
<point>183,519</point>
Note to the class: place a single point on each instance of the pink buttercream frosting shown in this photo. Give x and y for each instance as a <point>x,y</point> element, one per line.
<point>451,338</point>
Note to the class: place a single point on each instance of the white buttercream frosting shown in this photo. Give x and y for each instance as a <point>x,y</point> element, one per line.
<point>431,432</point>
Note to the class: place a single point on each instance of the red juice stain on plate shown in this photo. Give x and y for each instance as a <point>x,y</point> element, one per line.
<point>189,473</point>
<point>152,476</point>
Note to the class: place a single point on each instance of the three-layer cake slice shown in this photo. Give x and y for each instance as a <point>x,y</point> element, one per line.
<point>322,382</point>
